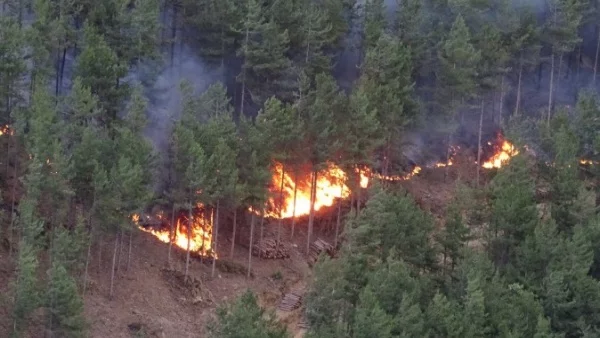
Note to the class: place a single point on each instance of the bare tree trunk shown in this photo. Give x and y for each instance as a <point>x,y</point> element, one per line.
<point>311,216</point>
<point>551,88</point>
<point>89,250</point>
<point>120,253</point>
<point>13,198</point>
<point>501,101</point>
<point>479,142</point>
<point>189,239</point>
<point>171,235</point>
<point>173,34</point>
<point>244,72</point>
<point>447,168</point>
<point>597,54</point>
<point>233,234</point>
<point>129,251</point>
<point>339,216</point>
<point>215,240</point>
<point>518,103</point>
<point>558,78</point>
<point>262,229</point>
<point>295,194</point>
<point>253,219</point>
<point>281,205</point>
<point>114,261</point>
<point>62,67</point>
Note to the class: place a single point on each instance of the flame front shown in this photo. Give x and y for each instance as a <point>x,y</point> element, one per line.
<point>200,239</point>
<point>331,185</point>
<point>502,156</point>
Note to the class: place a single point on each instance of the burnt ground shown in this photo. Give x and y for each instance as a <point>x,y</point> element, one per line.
<point>151,299</point>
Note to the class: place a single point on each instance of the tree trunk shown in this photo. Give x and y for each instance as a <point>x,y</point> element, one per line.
<point>89,250</point>
<point>518,101</point>
<point>501,101</point>
<point>173,34</point>
<point>281,205</point>
<point>253,219</point>
<point>62,67</point>
<point>447,168</point>
<point>120,254</point>
<point>13,197</point>
<point>233,234</point>
<point>57,74</point>
<point>129,251</point>
<point>311,216</point>
<point>262,229</point>
<point>551,88</point>
<point>597,54</point>
<point>215,240</point>
<point>114,261</point>
<point>189,238</point>
<point>479,142</point>
<point>244,72</point>
<point>295,194</point>
<point>171,235</point>
<point>339,216</point>
<point>560,62</point>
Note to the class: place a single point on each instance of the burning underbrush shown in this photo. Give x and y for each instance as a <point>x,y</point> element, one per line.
<point>291,195</point>
<point>191,230</point>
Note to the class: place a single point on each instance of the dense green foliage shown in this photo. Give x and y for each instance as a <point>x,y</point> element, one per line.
<point>77,122</point>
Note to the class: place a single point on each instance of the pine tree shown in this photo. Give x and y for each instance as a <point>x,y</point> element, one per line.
<point>100,69</point>
<point>513,213</point>
<point>279,124</point>
<point>245,318</point>
<point>458,58</point>
<point>375,23</point>
<point>561,32</point>
<point>453,237</point>
<point>64,305</point>
<point>387,83</point>
<point>12,67</point>
<point>218,25</point>
<point>316,37</point>
<point>263,50</point>
<point>326,102</point>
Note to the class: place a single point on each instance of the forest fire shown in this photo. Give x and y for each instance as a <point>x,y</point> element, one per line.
<point>201,232</point>
<point>331,185</point>
<point>502,154</point>
<point>6,130</point>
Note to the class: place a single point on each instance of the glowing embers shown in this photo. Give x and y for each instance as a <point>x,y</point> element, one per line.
<point>200,232</point>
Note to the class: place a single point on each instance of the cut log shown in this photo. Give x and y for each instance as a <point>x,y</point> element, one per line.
<point>291,301</point>
<point>316,248</point>
<point>270,249</point>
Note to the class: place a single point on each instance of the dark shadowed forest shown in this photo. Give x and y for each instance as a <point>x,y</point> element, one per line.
<point>432,167</point>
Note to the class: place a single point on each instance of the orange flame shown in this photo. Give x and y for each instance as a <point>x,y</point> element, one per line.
<point>585,161</point>
<point>331,185</point>
<point>502,156</point>
<point>6,130</point>
<point>200,240</point>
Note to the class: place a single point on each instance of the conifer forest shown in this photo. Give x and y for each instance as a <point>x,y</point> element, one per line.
<point>300,168</point>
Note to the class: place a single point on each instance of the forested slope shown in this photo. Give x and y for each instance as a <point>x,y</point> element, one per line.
<point>197,114</point>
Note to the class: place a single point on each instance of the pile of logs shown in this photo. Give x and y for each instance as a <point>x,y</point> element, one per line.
<point>316,248</point>
<point>269,248</point>
<point>291,301</point>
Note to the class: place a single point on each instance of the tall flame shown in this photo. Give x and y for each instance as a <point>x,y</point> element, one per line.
<point>331,185</point>
<point>502,156</point>
<point>200,239</point>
